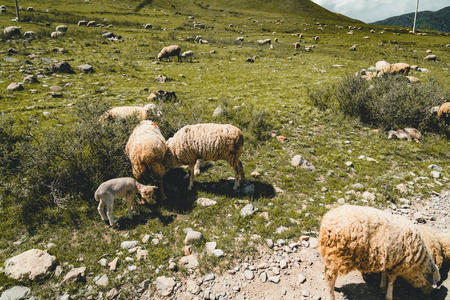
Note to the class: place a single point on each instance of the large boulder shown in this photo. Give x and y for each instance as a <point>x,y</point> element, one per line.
<point>30,265</point>
<point>63,67</point>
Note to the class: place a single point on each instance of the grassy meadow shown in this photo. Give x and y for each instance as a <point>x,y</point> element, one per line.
<point>54,153</point>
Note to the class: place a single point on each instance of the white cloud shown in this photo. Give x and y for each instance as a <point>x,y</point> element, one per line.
<point>376,10</point>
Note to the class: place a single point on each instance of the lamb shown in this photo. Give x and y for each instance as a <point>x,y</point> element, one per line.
<point>443,113</point>
<point>188,54</point>
<point>147,112</point>
<point>56,34</point>
<point>146,149</point>
<point>167,52</point>
<point>11,31</point>
<point>117,188</point>
<point>370,240</point>
<point>206,142</point>
<point>410,134</point>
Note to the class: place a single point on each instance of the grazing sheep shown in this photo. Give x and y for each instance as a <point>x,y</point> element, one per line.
<point>147,112</point>
<point>187,54</point>
<point>91,24</point>
<point>206,142</point>
<point>61,28</point>
<point>373,241</point>
<point>146,149</point>
<point>117,188</point>
<point>167,52</point>
<point>82,23</point>
<point>297,45</point>
<point>11,31</point>
<point>29,35</point>
<point>56,34</point>
<point>264,42</point>
<point>431,57</point>
<point>410,134</point>
<point>443,113</point>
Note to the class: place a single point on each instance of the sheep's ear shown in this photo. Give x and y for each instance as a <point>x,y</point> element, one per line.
<point>154,187</point>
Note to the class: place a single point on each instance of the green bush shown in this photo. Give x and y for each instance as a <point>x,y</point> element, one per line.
<point>390,102</point>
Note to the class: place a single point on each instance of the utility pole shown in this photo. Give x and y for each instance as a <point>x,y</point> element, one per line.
<point>415,17</point>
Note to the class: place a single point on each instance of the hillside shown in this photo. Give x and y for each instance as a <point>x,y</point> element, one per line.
<point>284,72</point>
<point>429,20</point>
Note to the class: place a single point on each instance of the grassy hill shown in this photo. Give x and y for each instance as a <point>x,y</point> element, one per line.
<point>429,20</point>
<point>54,153</point>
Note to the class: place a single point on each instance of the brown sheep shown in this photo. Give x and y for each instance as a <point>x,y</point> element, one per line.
<point>443,113</point>
<point>167,52</point>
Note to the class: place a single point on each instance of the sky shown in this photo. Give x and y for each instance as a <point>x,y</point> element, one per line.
<point>377,10</point>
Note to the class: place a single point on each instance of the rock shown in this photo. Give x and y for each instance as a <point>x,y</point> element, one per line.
<point>205,202</point>
<point>102,281</point>
<point>112,293</point>
<point>55,88</point>
<point>210,247</point>
<point>301,278</point>
<point>209,277</point>
<point>30,79</point>
<point>249,275</point>
<point>192,287</point>
<point>436,174</point>
<point>14,86</point>
<point>248,210</point>
<point>219,111</point>
<point>263,277</point>
<point>189,261</point>
<point>419,217</point>
<point>161,79</point>
<point>141,254</point>
<point>218,253</point>
<point>16,293</point>
<point>274,279</point>
<point>74,275</point>
<point>193,237</point>
<point>435,167</point>
<point>164,285</point>
<point>108,35</point>
<point>368,196</point>
<point>357,186</point>
<point>128,244</point>
<point>103,262</point>
<point>59,50</point>
<point>86,68</point>
<point>269,243</point>
<point>30,265</point>
<point>63,67</point>
<point>58,271</point>
<point>283,264</point>
<point>402,188</point>
<point>113,264</point>
<point>146,238</point>
<point>299,162</point>
<point>314,243</point>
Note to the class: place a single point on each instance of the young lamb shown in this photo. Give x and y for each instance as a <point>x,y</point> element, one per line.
<point>188,54</point>
<point>117,188</point>
<point>149,111</point>
<point>373,241</point>
<point>410,134</point>
<point>206,142</point>
<point>146,149</point>
<point>167,52</point>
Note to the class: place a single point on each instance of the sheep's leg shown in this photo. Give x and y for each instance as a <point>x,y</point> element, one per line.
<point>161,188</point>
<point>197,166</point>
<point>130,205</point>
<point>100,208</point>
<point>238,173</point>
<point>390,289</point>
<point>109,211</point>
<point>191,176</point>
<point>383,284</point>
<point>330,278</point>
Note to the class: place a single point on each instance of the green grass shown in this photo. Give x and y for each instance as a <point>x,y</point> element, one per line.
<point>275,91</point>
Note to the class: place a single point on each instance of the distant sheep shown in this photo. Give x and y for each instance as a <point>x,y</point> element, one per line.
<point>11,31</point>
<point>146,149</point>
<point>82,23</point>
<point>167,52</point>
<point>373,241</point>
<point>117,188</point>
<point>187,54</point>
<point>56,34</point>
<point>264,42</point>
<point>394,69</point>
<point>61,28</point>
<point>147,112</point>
<point>29,35</point>
<point>410,134</point>
<point>297,45</point>
<point>91,24</point>
<point>443,113</point>
<point>206,142</point>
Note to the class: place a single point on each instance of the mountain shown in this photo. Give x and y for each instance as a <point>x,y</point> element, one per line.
<point>430,20</point>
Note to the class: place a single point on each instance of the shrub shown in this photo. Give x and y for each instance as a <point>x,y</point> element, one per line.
<point>390,102</point>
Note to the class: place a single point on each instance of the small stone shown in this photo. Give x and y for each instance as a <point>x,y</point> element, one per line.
<point>14,86</point>
<point>193,237</point>
<point>436,174</point>
<point>419,217</point>
<point>103,262</point>
<point>219,111</point>
<point>102,281</point>
<point>283,264</point>
<point>218,253</point>
<point>146,238</point>
<point>269,243</point>
<point>263,277</point>
<point>86,68</point>
<point>209,277</point>
<point>128,244</point>
<point>249,275</point>
<point>435,167</point>
<point>274,279</point>
<point>357,186</point>
<point>368,196</point>
<point>16,293</point>
<point>205,202</point>
<point>248,210</point>
<point>189,261</point>
<point>164,285</point>
<point>73,275</point>
<point>113,264</point>
<point>210,247</point>
<point>301,278</point>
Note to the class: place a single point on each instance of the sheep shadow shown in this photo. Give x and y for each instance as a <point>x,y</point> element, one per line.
<point>252,189</point>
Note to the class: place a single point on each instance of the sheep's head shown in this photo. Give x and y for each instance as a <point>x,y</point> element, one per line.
<point>147,193</point>
<point>153,109</point>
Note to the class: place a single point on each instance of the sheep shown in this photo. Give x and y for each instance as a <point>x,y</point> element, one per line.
<point>144,113</point>
<point>206,142</point>
<point>394,69</point>
<point>29,35</point>
<point>264,42</point>
<point>167,52</point>
<point>91,24</point>
<point>61,28</point>
<point>11,31</point>
<point>56,34</point>
<point>82,23</point>
<point>146,149</point>
<point>117,188</point>
<point>297,45</point>
<point>187,54</point>
<point>370,240</point>
<point>409,134</point>
<point>443,113</point>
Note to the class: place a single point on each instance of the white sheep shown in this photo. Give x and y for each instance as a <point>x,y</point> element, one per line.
<point>147,112</point>
<point>56,34</point>
<point>206,142</point>
<point>61,28</point>
<point>372,241</point>
<point>29,35</point>
<point>117,188</point>
<point>188,54</point>
<point>410,134</point>
<point>12,31</point>
<point>146,149</point>
<point>167,52</point>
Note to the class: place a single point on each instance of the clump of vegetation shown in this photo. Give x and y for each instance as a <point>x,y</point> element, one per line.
<point>390,102</point>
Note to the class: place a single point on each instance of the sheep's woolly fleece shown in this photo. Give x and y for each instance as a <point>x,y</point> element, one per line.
<point>369,240</point>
